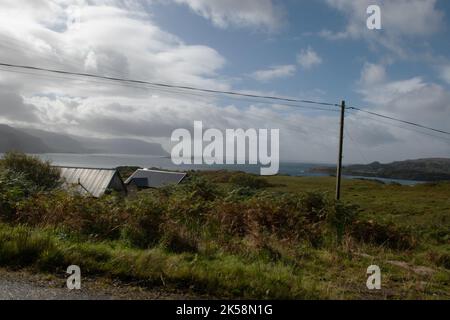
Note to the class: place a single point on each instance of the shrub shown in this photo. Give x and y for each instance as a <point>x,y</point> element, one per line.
<point>95,218</point>
<point>13,188</point>
<point>197,213</point>
<point>20,247</point>
<point>145,216</point>
<point>314,206</point>
<point>40,173</point>
<point>441,259</point>
<point>340,217</point>
<point>177,238</point>
<point>285,217</point>
<point>245,180</point>
<point>386,235</point>
<point>219,176</point>
<point>200,188</point>
<point>235,178</point>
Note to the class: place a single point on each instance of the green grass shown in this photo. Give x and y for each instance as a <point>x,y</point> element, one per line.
<point>318,273</point>
<point>424,207</point>
<point>232,235</point>
<point>221,275</point>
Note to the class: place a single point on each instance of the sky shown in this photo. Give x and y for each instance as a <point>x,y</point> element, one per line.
<point>316,50</point>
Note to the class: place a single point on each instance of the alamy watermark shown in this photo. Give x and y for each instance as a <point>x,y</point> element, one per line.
<point>231,146</point>
<point>374,279</point>
<point>374,20</point>
<point>74,280</point>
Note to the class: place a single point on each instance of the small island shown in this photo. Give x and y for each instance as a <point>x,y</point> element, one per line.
<point>430,169</point>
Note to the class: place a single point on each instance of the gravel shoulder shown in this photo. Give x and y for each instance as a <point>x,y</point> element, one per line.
<point>25,285</point>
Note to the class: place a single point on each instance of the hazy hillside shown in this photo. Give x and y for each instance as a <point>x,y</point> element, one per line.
<point>122,146</point>
<point>13,139</point>
<point>431,169</point>
<point>40,141</point>
<point>60,142</point>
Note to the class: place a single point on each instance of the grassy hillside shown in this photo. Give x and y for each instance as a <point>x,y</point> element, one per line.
<point>432,169</point>
<point>234,235</point>
<point>423,205</point>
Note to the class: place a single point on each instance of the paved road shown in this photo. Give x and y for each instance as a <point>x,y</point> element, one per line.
<point>27,286</point>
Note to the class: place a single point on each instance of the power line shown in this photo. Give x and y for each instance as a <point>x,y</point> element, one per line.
<point>271,118</point>
<point>181,89</point>
<point>398,126</point>
<point>165,85</point>
<point>61,60</point>
<point>399,120</point>
<point>169,87</point>
<point>115,72</point>
<point>166,90</point>
<point>72,62</point>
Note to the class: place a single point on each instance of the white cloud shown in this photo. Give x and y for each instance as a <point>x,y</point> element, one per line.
<point>107,38</point>
<point>402,20</point>
<point>399,17</point>
<point>372,74</point>
<point>112,38</point>
<point>259,14</point>
<point>274,72</point>
<point>413,100</point>
<point>445,73</point>
<point>308,58</point>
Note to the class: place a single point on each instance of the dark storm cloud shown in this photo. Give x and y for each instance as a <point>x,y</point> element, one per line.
<point>12,107</point>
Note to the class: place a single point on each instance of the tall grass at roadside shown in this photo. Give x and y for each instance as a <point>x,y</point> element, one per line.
<point>221,274</point>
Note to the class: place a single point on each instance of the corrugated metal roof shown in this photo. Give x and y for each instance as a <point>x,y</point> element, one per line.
<point>89,180</point>
<point>155,178</point>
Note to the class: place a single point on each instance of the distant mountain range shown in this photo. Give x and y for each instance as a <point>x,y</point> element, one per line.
<point>431,169</point>
<point>40,141</point>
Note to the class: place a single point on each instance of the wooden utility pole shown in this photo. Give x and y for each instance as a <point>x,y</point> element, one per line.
<point>341,145</point>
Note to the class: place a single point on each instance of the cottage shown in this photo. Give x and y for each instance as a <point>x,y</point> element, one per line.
<point>146,178</point>
<point>92,181</point>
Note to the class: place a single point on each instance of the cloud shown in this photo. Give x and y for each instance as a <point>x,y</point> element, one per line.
<point>109,38</point>
<point>370,136</point>
<point>402,21</point>
<point>308,58</point>
<point>372,74</point>
<point>399,17</point>
<point>274,72</point>
<point>259,14</point>
<point>13,108</point>
<point>96,41</point>
<point>413,100</point>
<point>445,73</point>
<point>92,36</point>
